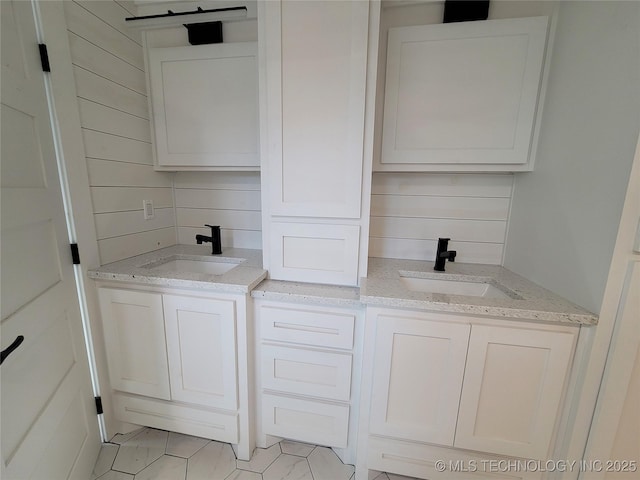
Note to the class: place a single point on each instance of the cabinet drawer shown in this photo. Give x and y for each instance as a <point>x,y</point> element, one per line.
<point>200,422</point>
<point>419,461</point>
<point>305,372</point>
<point>326,327</point>
<point>305,420</point>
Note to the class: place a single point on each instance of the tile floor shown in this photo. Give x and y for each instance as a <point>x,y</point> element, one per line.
<point>150,454</point>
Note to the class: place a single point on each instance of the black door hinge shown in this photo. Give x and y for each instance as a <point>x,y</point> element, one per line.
<point>44,57</point>
<point>75,254</point>
<point>99,405</point>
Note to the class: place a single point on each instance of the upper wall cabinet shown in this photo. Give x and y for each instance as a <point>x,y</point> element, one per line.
<point>316,76</point>
<point>205,106</point>
<point>463,96</point>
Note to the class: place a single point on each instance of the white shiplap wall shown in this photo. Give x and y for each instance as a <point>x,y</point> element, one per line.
<point>410,211</point>
<point>228,199</point>
<point>110,83</point>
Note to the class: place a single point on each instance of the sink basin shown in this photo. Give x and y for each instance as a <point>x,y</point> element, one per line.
<point>453,287</point>
<point>210,267</point>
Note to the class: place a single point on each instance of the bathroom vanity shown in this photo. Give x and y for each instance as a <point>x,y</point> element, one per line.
<point>414,366</point>
<point>461,373</point>
<point>471,363</point>
<point>177,336</point>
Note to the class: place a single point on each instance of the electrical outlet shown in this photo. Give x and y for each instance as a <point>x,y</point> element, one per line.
<point>147,206</point>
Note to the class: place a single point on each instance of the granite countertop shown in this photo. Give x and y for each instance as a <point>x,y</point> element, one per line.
<point>147,269</point>
<point>384,286</point>
<point>317,294</point>
<point>523,299</point>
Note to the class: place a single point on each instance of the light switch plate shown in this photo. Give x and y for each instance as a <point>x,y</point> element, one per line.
<point>147,206</point>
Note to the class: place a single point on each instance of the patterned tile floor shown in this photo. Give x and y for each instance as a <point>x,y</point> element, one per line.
<point>150,454</point>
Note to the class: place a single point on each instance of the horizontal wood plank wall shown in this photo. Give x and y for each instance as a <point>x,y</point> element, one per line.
<point>228,199</point>
<point>110,83</point>
<point>410,211</point>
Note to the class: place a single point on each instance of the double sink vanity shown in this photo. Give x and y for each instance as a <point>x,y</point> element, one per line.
<point>412,366</point>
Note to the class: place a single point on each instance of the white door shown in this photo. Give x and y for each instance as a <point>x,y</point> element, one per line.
<point>615,432</point>
<point>615,428</point>
<point>49,423</point>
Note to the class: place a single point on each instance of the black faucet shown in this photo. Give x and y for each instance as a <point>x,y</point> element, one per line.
<point>216,243</point>
<point>442,254</point>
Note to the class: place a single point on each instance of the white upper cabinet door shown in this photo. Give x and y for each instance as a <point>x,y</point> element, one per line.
<point>417,378</point>
<point>201,346</point>
<point>134,336</point>
<point>513,387</point>
<point>205,106</point>
<point>459,96</point>
<point>315,85</point>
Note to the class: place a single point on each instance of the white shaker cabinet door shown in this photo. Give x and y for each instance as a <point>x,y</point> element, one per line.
<point>315,88</point>
<point>201,346</point>
<point>513,387</point>
<point>417,378</point>
<point>135,342</point>
<point>462,95</point>
<point>205,106</point>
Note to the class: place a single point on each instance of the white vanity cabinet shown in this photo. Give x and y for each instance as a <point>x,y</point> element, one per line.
<point>464,96</point>
<point>308,371</point>
<point>178,361</point>
<point>314,64</point>
<point>459,382</point>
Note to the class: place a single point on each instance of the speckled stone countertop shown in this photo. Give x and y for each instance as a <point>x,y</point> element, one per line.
<point>145,269</point>
<point>317,294</point>
<point>383,286</point>
<point>525,299</point>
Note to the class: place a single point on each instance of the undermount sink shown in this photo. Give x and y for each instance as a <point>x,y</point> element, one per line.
<point>453,287</point>
<point>208,266</point>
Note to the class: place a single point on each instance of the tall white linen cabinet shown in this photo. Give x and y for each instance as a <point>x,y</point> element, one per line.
<point>317,63</point>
